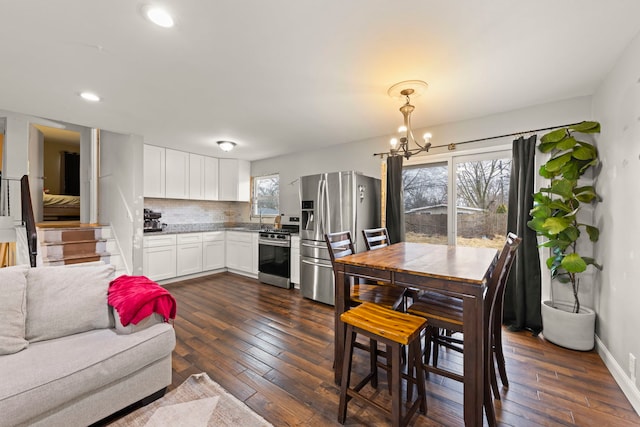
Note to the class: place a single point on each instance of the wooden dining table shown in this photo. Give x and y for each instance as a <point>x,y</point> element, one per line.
<point>458,271</point>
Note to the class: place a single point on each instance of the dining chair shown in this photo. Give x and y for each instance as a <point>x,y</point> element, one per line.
<point>445,313</point>
<point>340,244</point>
<point>376,238</point>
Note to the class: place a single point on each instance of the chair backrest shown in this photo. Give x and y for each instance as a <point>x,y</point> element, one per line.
<point>339,244</point>
<point>499,276</point>
<point>375,238</point>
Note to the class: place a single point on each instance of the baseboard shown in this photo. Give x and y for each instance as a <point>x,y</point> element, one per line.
<point>628,387</point>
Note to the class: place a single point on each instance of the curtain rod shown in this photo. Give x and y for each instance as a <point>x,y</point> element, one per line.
<point>453,146</point>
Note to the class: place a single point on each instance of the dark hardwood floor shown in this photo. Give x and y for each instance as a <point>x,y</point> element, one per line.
<point>272,349</point>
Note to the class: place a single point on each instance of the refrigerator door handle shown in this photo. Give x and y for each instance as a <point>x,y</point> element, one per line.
<point>317,264</point>
<point>321,217</point>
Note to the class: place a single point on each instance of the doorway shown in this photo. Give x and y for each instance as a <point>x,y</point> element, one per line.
<point>60,175</point>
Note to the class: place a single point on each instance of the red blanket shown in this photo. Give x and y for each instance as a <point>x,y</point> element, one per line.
<point>136,297</point>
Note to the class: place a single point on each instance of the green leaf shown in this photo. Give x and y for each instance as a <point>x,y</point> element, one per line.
<point>540,211</point>
<point>591,261</point>
<point>570,170</point>
<point>586,166</point>
<point>585,194</point>
<point>541,198</point>
<point>586,127</point>
<point>593,232</point>
<point>554,136</point>
<point>573,263</point>
<point>566,144</point>
<point>563,188</point>
<point>537,225</point>
<point>543,172</point>
<point>556,225</point>
<point>583,153</point>
<point>570,233</point>
<point>555,164</point>
<point>561,206</point>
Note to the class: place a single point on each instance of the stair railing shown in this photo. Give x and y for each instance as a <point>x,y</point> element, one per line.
<point>28,219</point>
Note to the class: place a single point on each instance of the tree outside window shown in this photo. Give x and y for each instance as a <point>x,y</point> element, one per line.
<point>266,195</point>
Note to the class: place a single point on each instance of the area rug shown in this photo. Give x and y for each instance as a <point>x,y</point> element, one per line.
<point>199,401</point>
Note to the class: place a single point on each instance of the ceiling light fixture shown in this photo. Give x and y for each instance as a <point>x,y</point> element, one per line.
<point>400,146</point>
<point>226,145</point>
<point>90,96</point>
<point>159,16</point>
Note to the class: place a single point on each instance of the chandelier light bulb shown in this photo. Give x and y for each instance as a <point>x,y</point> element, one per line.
<point>393,142</point>
<point>402,129</point>
<point>427,137</point>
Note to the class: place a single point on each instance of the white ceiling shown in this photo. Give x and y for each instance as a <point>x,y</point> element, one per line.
<point>279,76</point>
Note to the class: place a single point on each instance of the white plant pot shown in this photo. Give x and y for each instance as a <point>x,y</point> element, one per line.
<point>560,326</point>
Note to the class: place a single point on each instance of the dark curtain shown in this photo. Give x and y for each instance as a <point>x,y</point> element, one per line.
<point>523,290</point>
<point>71,173</point>
<point>395,199</point>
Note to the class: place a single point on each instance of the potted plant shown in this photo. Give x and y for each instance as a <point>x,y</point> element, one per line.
<point>555,217</point>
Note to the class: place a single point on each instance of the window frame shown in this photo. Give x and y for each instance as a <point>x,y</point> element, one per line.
<point>452,158</point>
<point>255,199</point>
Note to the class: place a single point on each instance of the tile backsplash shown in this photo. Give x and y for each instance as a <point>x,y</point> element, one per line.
<point>198,211</point>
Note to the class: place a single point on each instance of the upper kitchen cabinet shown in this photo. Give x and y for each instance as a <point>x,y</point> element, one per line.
<point>211,172</point>
<point>154,171</point>
<point>177,174</point>
<point>234,180</point>
<point>196,177</point>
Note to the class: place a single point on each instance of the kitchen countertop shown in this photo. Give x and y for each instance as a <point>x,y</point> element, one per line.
<point>204,227</point>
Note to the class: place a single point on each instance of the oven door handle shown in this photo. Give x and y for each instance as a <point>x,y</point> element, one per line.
<point>283,244</point>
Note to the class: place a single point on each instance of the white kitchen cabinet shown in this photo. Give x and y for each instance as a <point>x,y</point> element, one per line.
<point>234,180</point>
<point>240,251</point>
<point>188,254</point>
<point>159,256</point>
<point>256,253</point>
<point>295,259</point>
<point>211,177</point>
<point>154,171</point>
<point>196,176</point>
<point>177,174</point>
<point>213,250</point>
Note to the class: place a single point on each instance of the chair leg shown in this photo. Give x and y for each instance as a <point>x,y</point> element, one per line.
<point>346,374</point>
<point>373,362</point>
<point>494,380</point>
<point>497,349</point>
<point>420,380</point>
<point>396,380</point>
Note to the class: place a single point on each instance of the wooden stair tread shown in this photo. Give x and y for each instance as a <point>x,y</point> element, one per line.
<point>78,256</point>
<point>71,242</point>
<point>396,326</point>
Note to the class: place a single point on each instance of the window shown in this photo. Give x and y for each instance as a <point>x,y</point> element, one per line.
<point>479,183</point>
<point>266,195</point>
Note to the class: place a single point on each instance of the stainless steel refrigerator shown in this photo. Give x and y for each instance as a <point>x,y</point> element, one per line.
<point>332,202</point>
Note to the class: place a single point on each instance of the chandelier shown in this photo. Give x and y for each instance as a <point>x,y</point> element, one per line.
<point>401,146</point>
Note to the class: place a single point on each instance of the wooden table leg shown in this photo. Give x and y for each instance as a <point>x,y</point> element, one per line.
<point>473,361</point>
<point>341,305</point>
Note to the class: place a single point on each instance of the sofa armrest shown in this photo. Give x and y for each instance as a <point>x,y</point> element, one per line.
<point>131,328</point>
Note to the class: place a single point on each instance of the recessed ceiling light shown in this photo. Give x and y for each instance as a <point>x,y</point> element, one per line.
<point>159,17</point>
<point>89,96</point>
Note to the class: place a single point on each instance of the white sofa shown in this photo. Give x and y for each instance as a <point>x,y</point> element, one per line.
<point>65,360</point>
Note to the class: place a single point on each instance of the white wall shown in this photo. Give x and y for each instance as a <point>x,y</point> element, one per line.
<point>121,203</point>
<point>359,155</point>
<point>616,105</point>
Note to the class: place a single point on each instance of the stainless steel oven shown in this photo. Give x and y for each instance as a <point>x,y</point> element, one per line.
<point>274,265</point>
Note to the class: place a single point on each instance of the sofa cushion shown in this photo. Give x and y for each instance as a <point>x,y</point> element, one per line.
<point>13,309</point>
<point>50,373</point>
<point>63,301</point>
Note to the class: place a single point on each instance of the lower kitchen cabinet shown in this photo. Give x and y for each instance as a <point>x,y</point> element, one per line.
<point>189,254</point>
<point>295,259</point>
<point>159,257</point>
<point>240,252</point>
<point>213,252</point>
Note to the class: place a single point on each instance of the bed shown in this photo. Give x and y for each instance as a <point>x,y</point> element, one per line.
<point>60,206</point>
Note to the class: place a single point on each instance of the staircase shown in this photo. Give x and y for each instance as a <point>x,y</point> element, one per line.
<point>75,245</point>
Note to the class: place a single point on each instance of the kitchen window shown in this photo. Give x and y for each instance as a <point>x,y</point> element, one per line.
<point>266,195</point>
<point>479,184</point>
